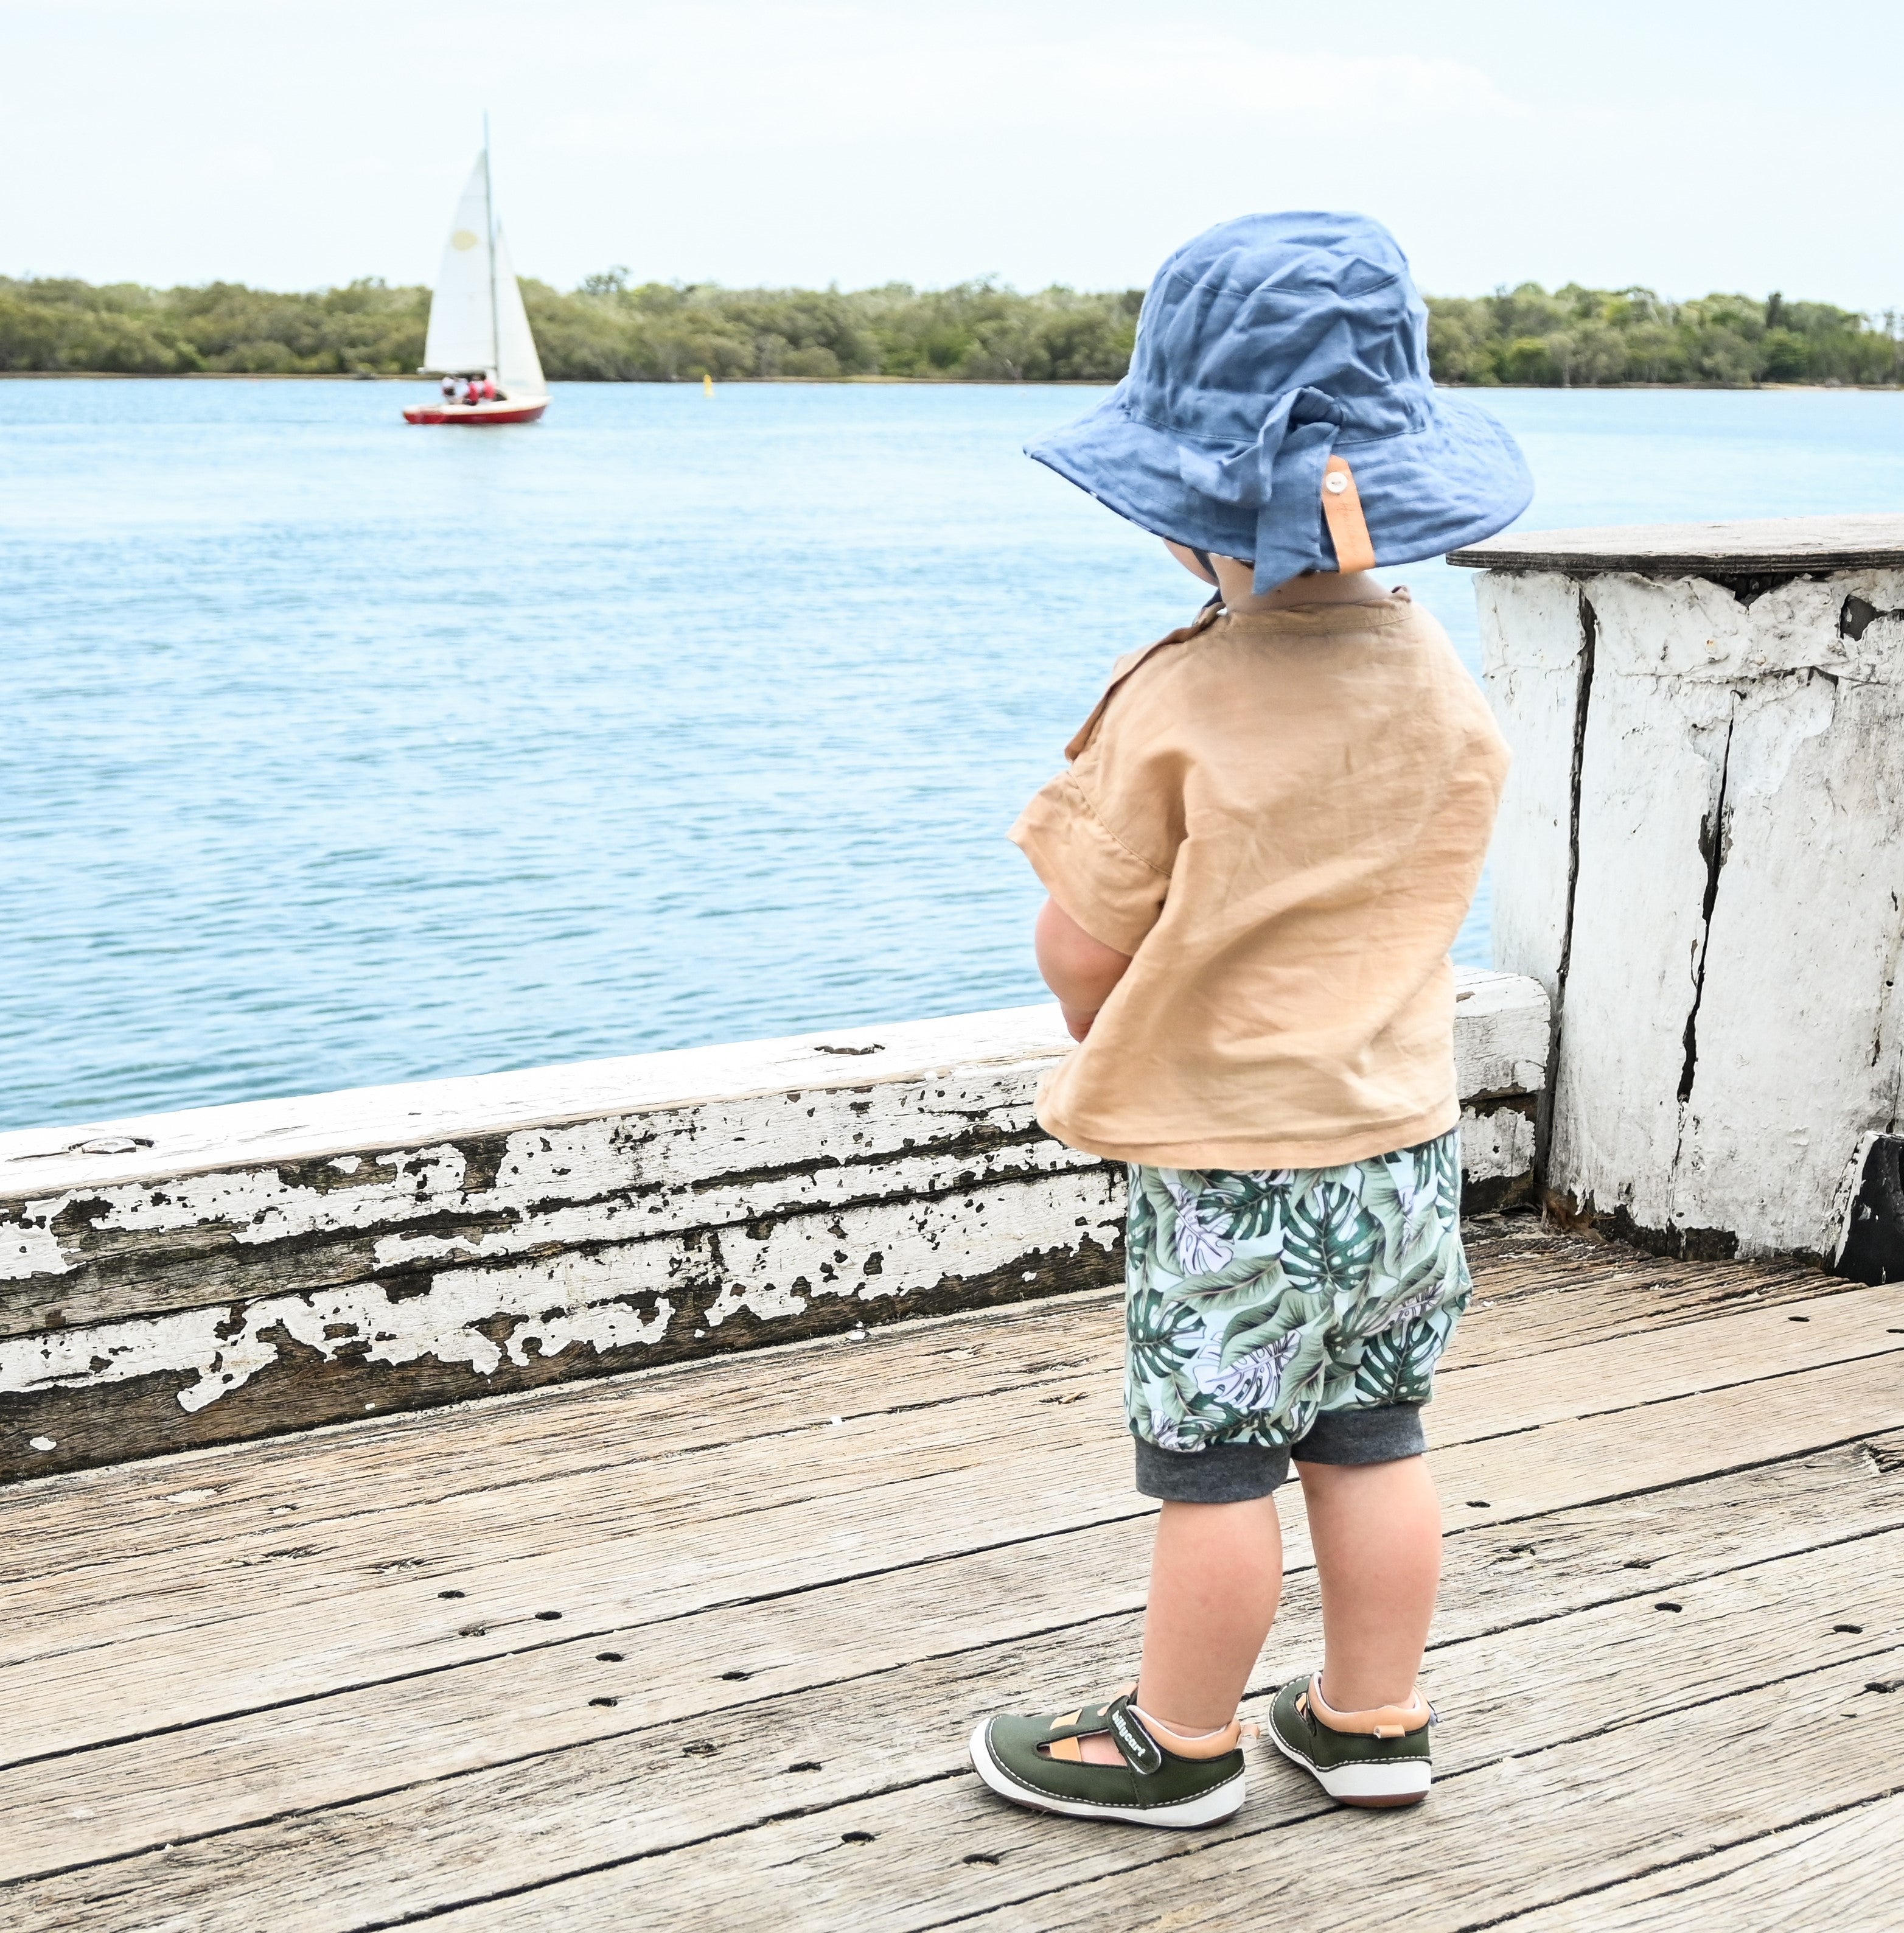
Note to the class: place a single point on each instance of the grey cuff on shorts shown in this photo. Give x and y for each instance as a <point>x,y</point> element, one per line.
<point>1235,1473</point>
<point>1364,1436</point>
<point>1220,1473</point>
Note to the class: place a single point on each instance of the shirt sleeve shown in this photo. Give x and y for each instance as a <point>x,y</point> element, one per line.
<point>1102,837</point>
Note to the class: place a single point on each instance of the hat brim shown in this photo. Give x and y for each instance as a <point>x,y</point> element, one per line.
<point>1459,479</point>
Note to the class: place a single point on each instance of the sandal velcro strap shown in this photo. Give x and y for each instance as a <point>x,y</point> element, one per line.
<point>1379,1721</point>
<point>1146,1742</point>
<point>1141,1751</point>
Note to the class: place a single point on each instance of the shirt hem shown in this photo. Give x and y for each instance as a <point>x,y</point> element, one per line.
<point>1247,1156</point>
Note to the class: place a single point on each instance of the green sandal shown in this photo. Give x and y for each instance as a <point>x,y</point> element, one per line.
<point>1037,1762</point>
<point>1378,1757</point>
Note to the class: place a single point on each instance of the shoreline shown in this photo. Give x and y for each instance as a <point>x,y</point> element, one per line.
<point>914,381</point>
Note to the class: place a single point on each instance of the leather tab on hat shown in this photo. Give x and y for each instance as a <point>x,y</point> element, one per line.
<point>1348,530</point>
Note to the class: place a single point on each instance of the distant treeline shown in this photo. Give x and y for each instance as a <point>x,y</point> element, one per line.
<point>608,330</point>
<point>1579,338</point>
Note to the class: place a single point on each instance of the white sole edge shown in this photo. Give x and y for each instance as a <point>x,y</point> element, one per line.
<point>1205,1809</point>
<point>1405,1778</point>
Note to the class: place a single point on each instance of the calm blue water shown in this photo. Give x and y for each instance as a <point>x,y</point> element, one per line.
<point>337,752</point>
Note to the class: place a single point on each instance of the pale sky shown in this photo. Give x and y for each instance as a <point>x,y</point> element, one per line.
<point>1687,146</point>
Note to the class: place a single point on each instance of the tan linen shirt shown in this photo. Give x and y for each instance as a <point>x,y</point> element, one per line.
<point>1282,818</point>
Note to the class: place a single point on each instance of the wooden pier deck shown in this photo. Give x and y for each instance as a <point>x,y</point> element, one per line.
<point>700,1648</point>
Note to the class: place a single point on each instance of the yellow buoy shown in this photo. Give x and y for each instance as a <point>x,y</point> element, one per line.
<point>707,385</point>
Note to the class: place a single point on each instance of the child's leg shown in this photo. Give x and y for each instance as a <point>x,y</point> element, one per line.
<point>1216,1573</point>
<point>1376,1530</point>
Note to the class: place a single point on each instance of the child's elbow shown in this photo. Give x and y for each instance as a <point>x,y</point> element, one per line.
<point>1078,967</point>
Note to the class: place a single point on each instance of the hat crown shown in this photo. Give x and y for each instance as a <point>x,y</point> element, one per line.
<point>1269,305</point>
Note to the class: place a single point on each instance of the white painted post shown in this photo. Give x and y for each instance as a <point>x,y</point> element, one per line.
<point>1701,858</point>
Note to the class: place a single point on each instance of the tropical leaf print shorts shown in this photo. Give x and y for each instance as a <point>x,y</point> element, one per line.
<point>1298,1309</point>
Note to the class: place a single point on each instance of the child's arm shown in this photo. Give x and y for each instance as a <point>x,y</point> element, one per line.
<point>1081,971</point>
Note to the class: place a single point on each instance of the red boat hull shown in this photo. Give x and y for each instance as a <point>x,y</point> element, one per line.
<point>475,414</point>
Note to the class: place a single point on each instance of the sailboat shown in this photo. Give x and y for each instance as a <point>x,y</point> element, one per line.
<point>478,328</point>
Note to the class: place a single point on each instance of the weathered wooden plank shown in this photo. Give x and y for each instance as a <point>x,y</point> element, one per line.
<point>242,1273</point>
<point>1839,1871</point>
<point>1753,547</point>
<point>1658,1682</point>
<point>1073,1601</point>
<point>1494,1054</point>
<point>142,1387</point>
<point>144,1248</point>
<point>1536,1289</point>
<point>1606,1804</point>
<point>1531,1295</point>
<point>297,1619</point>
<point>1519,1394</point>
<point>275,1550</point>
<point>766,1132</point>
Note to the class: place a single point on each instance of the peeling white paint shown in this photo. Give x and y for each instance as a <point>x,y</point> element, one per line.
<point>28,1248</point>
<point>258,1207</point>
<point>255,1133</point>
<point>1531,645</point>
<point>1498,1145</point>
<point>591,1236</point>
<point>1717,1073</point>
<point>561,1303</point>
<point>914,1243</point>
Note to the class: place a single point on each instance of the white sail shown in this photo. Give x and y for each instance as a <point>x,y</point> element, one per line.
<point>518,368</point>
<point>462,336</point>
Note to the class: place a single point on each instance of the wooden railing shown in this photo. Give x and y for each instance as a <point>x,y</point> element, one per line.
<point>232,1272</point>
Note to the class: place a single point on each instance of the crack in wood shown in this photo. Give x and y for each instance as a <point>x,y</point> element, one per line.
<point>1693,1856</point>
<point>1589,631</point>
<point>1712,849</point>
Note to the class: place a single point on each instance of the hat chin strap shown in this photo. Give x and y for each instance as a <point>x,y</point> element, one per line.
<point>1348,529</point>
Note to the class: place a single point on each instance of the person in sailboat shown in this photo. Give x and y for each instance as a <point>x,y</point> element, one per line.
<point>479,335</point>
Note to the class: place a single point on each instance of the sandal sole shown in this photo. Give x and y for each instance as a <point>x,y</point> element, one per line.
<point>1402,1783</point>
<point>1219,1802</point>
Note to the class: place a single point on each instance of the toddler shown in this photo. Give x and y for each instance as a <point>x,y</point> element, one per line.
<point>1269,833</point>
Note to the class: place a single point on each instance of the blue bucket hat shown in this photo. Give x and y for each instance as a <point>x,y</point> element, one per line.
<point>1267,347</point>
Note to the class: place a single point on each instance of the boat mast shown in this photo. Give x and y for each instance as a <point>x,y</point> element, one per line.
<point>489,220</point>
